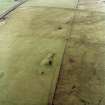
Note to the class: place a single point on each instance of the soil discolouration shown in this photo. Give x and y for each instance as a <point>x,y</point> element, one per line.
<point>78,83</point>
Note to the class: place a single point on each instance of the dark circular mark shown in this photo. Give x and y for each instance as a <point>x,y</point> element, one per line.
<point>52,103</point>
<point>59,28</point>
<point>66,39</point>
<point>42,72</point>
<point>71,60</point>
<point>73,87</point>
<point>50,62</point>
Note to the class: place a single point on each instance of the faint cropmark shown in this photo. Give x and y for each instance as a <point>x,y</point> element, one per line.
<point>2,74</point>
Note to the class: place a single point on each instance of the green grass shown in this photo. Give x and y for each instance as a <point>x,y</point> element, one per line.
<point>29,35</point>
<point>27,38</point>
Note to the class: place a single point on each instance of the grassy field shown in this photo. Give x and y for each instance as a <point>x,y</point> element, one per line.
<point>32,45</point>
<point>32,42</point>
